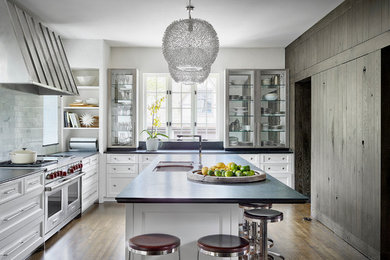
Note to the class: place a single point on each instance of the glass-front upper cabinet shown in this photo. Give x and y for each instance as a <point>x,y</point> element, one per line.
<point>273,108</point>
<point>256,109</point>
<point>122,107</point>
<point>240,109</point>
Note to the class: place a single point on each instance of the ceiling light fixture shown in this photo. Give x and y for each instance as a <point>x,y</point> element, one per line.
<point>190,46</point>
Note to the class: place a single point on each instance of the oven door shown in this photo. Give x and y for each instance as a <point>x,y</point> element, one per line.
<point>54,210</point>
<point>73,197</point>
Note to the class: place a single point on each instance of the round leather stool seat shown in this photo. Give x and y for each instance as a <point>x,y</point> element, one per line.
<point>269,215</point>
<point>249,206</point>
<point>223,244</point>
<point>154,243</point>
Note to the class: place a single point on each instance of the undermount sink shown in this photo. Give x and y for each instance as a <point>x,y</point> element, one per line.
<point>174,166</point>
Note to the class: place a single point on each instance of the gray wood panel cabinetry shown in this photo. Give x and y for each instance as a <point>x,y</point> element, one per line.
<point>346,151</point>
<point>342,56</point>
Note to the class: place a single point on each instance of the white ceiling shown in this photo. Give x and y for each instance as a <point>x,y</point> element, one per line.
<point>239,23</point>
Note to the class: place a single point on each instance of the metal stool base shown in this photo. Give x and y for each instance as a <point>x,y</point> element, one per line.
<point>218,254</point>
<point>164,252</point>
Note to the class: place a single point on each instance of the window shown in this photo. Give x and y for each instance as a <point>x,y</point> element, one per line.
<point>50,120</point>
<point>187,109</point>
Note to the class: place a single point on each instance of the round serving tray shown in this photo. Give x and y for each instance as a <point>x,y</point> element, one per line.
<point>195,176</point>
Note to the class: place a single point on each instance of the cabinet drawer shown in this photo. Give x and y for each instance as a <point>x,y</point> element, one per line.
<point>90,172</point>
<point>33,182</point>
<point>147,158</point>
<point>22,243</point>
<point>127,170</point>
<point>15,214</point>
<point>116,185</point>
<point>279,168</point>
<point>94,159</point>
<point>11,190</point>
<point>89,182</point>
<point>275,158</point>
<point>86,162</point>
<point>252,158</point>
<point>122,158</point>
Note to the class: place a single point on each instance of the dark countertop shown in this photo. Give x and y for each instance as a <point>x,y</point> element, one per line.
<point>78,154</point>
<point>9,174</point>
<point>120,151</point>
<point>173,187</point>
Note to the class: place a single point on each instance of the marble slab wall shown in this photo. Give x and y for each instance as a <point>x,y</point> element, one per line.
<point>21,123</point>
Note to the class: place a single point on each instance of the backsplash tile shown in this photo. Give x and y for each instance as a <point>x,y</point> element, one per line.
<point>21,123</point>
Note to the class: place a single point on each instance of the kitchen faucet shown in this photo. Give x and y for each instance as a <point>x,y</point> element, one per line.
<point>200,146</point>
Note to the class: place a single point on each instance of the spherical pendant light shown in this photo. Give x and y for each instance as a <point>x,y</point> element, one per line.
<point>190,45</point>
<point>189,77</point>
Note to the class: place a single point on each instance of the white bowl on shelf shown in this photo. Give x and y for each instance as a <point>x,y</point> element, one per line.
<point>271,96</point>
<point>86,80</point>
<point>92,101</point>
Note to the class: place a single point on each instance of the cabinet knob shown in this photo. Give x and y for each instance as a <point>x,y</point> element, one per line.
<point>114,169</point>
<point>269,168</point>
<point>269,158</point>
<point>283,168</point>
<point>114,185</point>
<point>129,169</point>
<point>283,158</point>
<point>114,158</point>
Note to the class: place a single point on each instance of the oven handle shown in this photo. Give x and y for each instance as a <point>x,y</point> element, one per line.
<point>51,188</point>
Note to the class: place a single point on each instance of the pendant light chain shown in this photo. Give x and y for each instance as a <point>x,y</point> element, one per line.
<point>190,8</point>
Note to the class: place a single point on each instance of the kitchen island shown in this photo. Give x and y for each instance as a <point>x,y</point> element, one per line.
<point>167,202</point>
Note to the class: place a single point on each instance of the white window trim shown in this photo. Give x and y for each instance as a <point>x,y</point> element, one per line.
<point>219,109</point>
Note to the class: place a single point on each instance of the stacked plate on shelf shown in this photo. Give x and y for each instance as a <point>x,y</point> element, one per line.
<point>240,111</point>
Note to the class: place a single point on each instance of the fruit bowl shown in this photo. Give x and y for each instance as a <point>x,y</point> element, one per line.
<point>226,174</point>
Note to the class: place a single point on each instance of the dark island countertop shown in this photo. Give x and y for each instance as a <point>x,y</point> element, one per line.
<point>10,174</point>
<point>173,187</point>
<point>136,151</point>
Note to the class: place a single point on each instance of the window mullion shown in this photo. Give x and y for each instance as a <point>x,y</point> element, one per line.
<point>194,108</point>
<point>169,108</point>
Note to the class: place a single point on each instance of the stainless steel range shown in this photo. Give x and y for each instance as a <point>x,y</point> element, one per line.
<point>62,189</point>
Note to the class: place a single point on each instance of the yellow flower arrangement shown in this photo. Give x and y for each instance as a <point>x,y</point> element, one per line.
<point>156,123</point>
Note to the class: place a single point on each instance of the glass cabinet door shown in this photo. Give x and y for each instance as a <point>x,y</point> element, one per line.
<point>273,108</point>
<point>240,110</point>
<point>122,88</point>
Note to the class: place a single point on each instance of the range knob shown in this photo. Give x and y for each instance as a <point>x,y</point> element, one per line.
<point>49,176</point>
<point>64,173</point>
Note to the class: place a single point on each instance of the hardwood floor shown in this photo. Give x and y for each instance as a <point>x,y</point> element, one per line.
<point>99,234</point>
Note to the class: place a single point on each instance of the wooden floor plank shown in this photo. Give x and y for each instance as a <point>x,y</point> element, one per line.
<point>99,234</point>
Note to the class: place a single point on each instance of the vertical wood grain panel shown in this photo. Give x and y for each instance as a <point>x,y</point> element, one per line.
<point>346,120</point>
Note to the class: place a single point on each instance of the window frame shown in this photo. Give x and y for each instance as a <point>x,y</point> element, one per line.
<point>169,110</point>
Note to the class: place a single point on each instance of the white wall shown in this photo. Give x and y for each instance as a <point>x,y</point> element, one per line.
<point>151,59</point>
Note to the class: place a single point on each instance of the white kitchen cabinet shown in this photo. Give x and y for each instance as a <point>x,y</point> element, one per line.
<point>121,169</point>
<point>90,182</point>
<point>145,160</point>
<point>21,216</point>
<point>278,165</point>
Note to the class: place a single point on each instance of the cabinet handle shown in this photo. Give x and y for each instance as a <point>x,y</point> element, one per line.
<point>54,220</point>
<point>129,169</point>
<point>114,158</point>
<point>33,183</point>
<point>283,168</point>
<point>114,169</point>
<point>114,185</point>
<point>283,158</point>
<point>18,245</point>
<point>269,168</point>
<point>20,212</point>
<point>10,191</point>
<point>269,158</point>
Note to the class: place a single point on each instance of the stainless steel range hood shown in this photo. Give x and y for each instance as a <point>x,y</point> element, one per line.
<point>32,57</point>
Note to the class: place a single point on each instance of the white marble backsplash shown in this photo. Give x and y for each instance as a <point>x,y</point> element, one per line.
<point>21,123</point>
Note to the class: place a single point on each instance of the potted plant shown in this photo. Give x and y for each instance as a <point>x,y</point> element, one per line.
<point>152,141</point>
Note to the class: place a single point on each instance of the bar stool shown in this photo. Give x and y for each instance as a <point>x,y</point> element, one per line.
<point>153,244</point>
<point>258,220</point>
<point>243,228</point>
<point>223,246</point>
